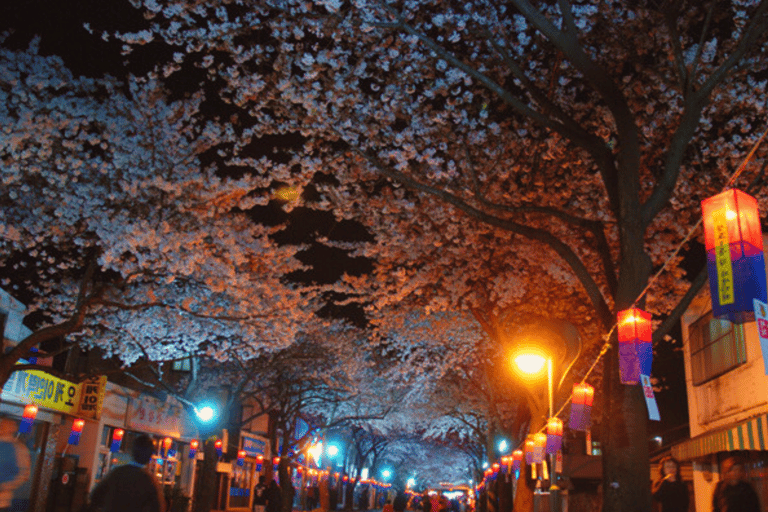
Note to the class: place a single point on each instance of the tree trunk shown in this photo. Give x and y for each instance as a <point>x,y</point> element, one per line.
<point>205,491</point>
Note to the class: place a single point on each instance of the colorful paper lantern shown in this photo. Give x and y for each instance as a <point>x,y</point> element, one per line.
<point>529,447</point>
<point>506,461</point>
<point>517,459</point>
<point>27,418</point>
<point>193,446</point>
<point>74,434</point>
<point>581,406</point>
<point>259,462</point>
<point>635,348</point>
<point>734,244</point>
<point>241,458</point>
<point>167,443</point>
<point>117,439</point>
<point>554,435</point>
<point>539,445</point>
<point>219,446</point>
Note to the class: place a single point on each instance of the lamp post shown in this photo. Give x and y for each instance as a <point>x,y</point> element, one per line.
<point>533,364</point>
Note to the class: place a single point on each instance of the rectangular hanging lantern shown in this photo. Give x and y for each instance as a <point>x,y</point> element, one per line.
<point>193,445</point>
<point>27,418</point>
<point>581,406</point>
<point>734,244</point>
<point>529,447</point>
<point>117,439</point>
<point>539,445</point>
<point>219,447</point>
<point>554,435</point>
<point>517,459</point>
<point>74,434</point>
<point>241,458</point>
<point>635,347</point>
<point>259,462</point>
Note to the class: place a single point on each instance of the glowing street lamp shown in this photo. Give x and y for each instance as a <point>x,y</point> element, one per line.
<point>503,446</point>
<point>332,450</point>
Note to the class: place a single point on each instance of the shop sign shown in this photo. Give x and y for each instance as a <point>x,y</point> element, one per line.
<point>253,446</point>
<point>92,397</point>
<point>43,389</point>
<point>149,415</point>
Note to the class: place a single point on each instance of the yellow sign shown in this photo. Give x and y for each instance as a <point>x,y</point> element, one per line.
<point>43,389</point>
<point>723,258</point>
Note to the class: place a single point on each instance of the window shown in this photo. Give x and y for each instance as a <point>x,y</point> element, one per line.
<point>182,365</point>
<point>716,347</point>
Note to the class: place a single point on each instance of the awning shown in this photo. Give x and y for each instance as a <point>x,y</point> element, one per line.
<point>751,434</point>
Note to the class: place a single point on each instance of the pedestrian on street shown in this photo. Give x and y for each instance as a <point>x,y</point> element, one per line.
<point>733,492</point>
<point>670,490</point>
<point>401,501</point>
<point>260,495</point>
<point>130,487</point>
<point>14,463</point>
<point>426,503</point>
<point>274,497</point>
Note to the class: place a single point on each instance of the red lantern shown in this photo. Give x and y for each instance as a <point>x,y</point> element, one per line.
<point>167,443</point>
<point>27,418</point>
<point>554,435</point>
<point>219,446</point>
<point>74,434</point>
<point>581,406</point>
<point>259,462</point>
<point>506,461</point>
<point>517,459</point>
<point>241,458</point>
<point>117,438</point>
<point>635,349</point>
<point>193,446</point>
<point>735,263</point>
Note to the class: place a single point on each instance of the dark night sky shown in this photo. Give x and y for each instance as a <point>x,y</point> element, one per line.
<point>59,23</point>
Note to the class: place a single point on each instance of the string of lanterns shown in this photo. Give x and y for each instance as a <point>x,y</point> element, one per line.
<point>736,268</point>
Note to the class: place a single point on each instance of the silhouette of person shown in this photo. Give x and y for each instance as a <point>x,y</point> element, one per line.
<point>130,487</point>
<point>669,489</point>
<point>733,492</point>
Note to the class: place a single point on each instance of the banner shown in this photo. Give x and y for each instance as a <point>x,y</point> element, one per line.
<point>761,317</point>
<point>44,390</point>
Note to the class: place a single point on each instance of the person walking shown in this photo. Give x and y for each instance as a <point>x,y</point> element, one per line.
<point>130,487</point>
<point>274,497</point>
<point>733,492</point>
<point>670,490</point>
<point>260,495</point>
<point>14,463</point>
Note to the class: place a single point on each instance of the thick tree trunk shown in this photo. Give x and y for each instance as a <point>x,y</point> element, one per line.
<point>626,463</point>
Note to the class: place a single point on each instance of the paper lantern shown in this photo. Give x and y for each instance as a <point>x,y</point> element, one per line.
<point>517,459</point>
<point>539,444</point>
<point>241,458</point>
<point>259,462</point>
<point>735,263</point>
<point>635,348</point>
<point>529,447</point>
<point>117,439</point>
<point>193,445</point>
<point>74,434</point>
<point>219,446</point>
<point>506,462</point>
<point>167,443</point>
<point>554,435</point>
<point>581,406</point>
<point>27,418</point>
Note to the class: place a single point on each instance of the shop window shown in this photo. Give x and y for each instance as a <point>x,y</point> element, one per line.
<point>717,346</point>
<point>182,365</point>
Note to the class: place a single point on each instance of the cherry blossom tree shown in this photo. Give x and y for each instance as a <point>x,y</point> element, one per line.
<point>548,138</point>
<point>126,238</point>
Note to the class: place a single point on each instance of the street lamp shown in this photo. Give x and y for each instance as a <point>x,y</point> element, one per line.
<point>532,363</point>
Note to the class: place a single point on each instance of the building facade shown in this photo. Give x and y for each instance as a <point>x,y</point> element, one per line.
<point>727,388</point>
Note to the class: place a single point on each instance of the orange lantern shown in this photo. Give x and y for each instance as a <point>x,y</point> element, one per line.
<point>581,406</point>
<point>554,434</point>
<point>517,459</point>
<point>219,446</point>
<point>734,244</point>
<point>529,447</point>
<point>241,458</point>
<point>635,348</point>
<point>539,444</point>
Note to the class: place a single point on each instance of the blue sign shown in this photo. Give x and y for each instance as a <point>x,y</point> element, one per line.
<point>253,446</point>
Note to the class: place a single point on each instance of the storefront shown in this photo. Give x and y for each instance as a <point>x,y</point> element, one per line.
<point>245,471</point>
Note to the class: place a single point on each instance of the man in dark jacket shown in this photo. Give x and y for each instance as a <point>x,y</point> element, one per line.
<point>733,492</point>
<point>131,487</point>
